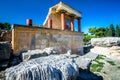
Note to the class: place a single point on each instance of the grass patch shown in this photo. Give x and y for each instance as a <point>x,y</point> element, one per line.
<point>100,57</point>
<point>111,63</point>
<point>118,67</point>
<point>97,67</point>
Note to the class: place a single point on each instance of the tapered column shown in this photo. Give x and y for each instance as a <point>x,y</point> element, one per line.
<point>72,23</point>
<point>79,25</point>
<point>49,23</point>
<point>63,20</point>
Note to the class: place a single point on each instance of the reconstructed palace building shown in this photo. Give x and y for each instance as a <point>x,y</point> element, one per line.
<point>58,31</point>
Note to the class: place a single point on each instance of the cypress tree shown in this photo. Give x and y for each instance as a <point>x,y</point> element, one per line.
<point>117,31</point>
<point>111,31</point>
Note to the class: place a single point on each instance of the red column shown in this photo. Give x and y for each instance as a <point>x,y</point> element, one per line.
<point>79,29</point>
<point>63,20</point>
<point>29,22</point>
<point>72,23</point>
<point>49,23</point>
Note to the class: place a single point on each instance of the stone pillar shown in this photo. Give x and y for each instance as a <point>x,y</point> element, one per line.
<point>72,23</point>
<point>63,20</point>
<point>79,28</point>
<point>49,23</point>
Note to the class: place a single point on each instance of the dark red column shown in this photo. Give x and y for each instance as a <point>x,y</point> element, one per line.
<point>72,23</point>
<point>29,22</point>
<point>79,28</point>
<point>49,23</point>
<point>63,20</point>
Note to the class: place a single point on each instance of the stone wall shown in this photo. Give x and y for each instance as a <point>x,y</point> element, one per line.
<point>5,35</point>
<point>30,38</point>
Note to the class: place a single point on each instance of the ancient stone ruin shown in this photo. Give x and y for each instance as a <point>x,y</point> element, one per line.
<point>51,51</point>
<point>44,68</point>
<point>57,31</point>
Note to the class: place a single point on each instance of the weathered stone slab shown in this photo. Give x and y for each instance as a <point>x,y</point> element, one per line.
<point>44,68</point>
<point>84,61</point>
<point>106,41</point>
<point>32,54</point>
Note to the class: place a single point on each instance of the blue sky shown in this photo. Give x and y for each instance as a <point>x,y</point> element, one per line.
<point>94,12</point>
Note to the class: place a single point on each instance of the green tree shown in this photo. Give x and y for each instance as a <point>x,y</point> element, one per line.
<point>98,32</point>
<point>111,31</point>
<point>117,31</point>
<point>93,30</point>
<point>87,38</point>
<point>5,26</point>
<point>106,32</point>
<point>1,26</point>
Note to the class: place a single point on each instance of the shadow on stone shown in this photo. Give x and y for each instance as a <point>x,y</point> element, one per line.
<point>87,75</point>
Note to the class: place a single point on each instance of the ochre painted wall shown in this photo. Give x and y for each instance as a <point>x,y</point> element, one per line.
<point>29,38</point>
<point>56,21</point>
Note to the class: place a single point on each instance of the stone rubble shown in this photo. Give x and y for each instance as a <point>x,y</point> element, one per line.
<point>84,61</point>
<point>32,54</point>
<point>108,46</point>
<point>44,68</point>
<point>41,65</point>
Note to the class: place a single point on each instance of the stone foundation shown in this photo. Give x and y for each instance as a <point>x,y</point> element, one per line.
<point>30,38</point>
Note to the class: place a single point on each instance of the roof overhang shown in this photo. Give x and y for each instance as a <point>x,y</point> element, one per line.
<point>63,7</point>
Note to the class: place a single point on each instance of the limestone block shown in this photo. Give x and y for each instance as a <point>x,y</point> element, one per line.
<point>31,54</point>
<point>44,68</point>
<point>106,41</point>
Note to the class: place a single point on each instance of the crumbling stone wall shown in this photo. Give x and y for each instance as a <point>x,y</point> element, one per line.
<point>5,35</point>
<point>30,38</point>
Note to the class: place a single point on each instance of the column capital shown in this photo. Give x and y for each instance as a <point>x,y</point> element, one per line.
<point>63,11</point>
<point>79,18</point>
<point>72,15</point>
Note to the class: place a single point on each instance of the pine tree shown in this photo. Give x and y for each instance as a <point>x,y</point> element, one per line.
<point>111,31</point>
<point>117,31</point>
